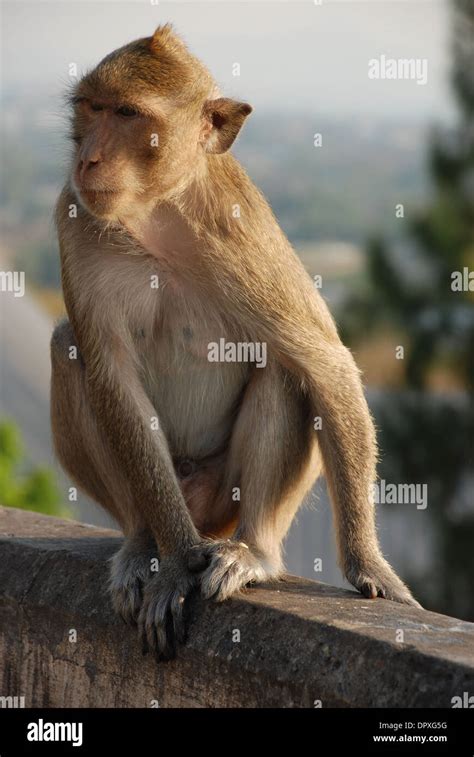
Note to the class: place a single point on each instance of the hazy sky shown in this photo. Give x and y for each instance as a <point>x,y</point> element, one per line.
<point>291,54</point>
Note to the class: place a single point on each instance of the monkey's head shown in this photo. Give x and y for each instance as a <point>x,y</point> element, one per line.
<point>144,121</point>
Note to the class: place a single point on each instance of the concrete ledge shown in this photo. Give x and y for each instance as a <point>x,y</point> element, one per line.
<point>300,641</point>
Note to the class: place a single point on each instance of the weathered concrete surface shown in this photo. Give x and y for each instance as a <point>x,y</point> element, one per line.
<point>300,641</point>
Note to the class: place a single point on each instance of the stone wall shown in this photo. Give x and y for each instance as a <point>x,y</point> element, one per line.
<point>302,643</point>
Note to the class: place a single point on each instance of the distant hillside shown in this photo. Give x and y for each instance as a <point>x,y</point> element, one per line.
<point>342,190</point>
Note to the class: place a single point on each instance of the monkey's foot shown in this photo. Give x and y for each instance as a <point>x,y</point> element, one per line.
<point>376,578</point>
<point>131,567</point>
<point>231,566</point>
<point>162,616</point>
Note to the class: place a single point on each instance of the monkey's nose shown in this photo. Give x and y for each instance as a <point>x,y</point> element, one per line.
<point>87,165</point>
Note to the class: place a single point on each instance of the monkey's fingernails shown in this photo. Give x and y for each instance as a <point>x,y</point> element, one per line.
<point>162,632</point>
<point>179,625</point>
<point>368,590</point>
<point>166,649</point>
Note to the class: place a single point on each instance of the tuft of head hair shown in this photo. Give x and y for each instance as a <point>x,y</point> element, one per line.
<point>165,39</point>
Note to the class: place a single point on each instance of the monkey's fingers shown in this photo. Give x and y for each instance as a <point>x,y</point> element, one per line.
<point>159,627</point>
<point>127,601</point>
<point>154,633</point>
<point>162,619</point>
<point>178,616</point>
<point>368,589</point>
<point>232,566</point>
<point>379,580</point>
<point>128,575</point>
<point>223,579</point>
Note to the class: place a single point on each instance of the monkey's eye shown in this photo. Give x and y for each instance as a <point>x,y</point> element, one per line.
<point>96,106</point>
<point>126,111</point>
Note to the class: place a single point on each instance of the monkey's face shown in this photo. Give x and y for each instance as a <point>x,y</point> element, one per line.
<point>144,120</point>
<point>129,155</point>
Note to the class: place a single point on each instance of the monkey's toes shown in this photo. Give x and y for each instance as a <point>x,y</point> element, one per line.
<point>162,621</point>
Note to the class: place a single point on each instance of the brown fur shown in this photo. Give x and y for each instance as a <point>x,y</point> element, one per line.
<point>169,211</point>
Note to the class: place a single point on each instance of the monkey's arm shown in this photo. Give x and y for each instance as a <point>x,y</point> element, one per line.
<point>124,415</point>
<point>279,306</point>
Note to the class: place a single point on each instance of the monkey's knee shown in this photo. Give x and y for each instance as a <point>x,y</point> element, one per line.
<point>67,380</point>
<point>64,347</point>
<point>71,424</point>
<point>79,444</point>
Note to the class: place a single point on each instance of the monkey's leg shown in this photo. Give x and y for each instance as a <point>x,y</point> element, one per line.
<point>86,456</point>
<point>274,458</point>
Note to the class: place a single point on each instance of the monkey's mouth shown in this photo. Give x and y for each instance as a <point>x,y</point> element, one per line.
<point>98,201</point>
<point>97,194</point>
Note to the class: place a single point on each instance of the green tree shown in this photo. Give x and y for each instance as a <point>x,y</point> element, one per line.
<point>33,490</point>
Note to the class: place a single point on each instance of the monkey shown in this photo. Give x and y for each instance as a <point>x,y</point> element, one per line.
<point>166,247</point>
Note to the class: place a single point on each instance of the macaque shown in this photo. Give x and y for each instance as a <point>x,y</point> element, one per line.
<point>167,247</point>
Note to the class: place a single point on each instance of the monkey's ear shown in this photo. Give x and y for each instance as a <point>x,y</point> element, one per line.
<point>223,119</point>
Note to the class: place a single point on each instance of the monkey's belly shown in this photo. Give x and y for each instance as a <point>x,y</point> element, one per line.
<point>196,402</point>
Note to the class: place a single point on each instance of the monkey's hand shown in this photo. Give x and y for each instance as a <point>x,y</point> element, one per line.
<point>231,566</point>
<point>130,569</point>
<point>376,578</point>
<point>161,620</point>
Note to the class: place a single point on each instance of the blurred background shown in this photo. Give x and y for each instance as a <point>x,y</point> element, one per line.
<point>380,206</point>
